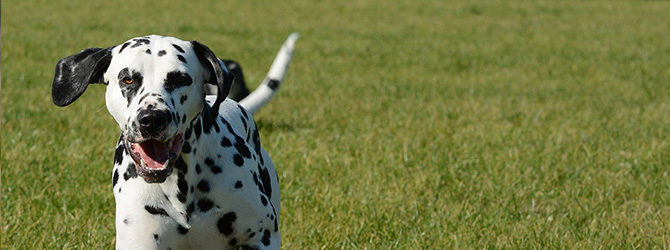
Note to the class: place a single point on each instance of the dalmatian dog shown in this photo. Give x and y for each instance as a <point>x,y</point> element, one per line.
<point>189,169</point>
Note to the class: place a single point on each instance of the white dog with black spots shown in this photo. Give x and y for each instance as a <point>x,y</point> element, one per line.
<point>189,169</point>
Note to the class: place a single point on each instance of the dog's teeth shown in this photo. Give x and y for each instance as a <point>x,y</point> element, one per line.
<point>167,163</point>
<point>144,164</point>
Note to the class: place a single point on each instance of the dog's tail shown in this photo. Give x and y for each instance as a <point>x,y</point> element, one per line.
<point>264,92</point>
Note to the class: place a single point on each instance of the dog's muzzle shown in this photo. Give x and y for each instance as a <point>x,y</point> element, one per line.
<point>154,154</point>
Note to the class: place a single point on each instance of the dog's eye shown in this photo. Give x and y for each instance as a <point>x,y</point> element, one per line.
<point>127,80</point>
<point>180,79</point>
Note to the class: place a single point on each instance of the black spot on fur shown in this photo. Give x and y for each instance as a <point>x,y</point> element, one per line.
<point>124,47</point>
<point>183,99</point>
<point>225,223</point>
<point>183,187</point>
<point>182,230</point>
<point>264,200</point>
<point>178,48</point>
<point>225,142</point>
<point>155,210</point>
<point>232,242</point>
<point>266,238</point>
<point>243,111</point>
<point>156,237</point>
<point>209,161</point>
<point>215,169</point>
<point>118,154</point>
<point>148,51</point>
<point>198,169</point>
<point>207,123</point>
<point>265,180</point>
<point>126,221</point>
<point>203,186</point>
<point>183,119</point>
<point>273,84</point>
<point>186,148</point>
<point>189,209</point>
<point>175,80</point>
<point>205,205</point>
<point>244,123</point>
<point>238,160</point>
<point>241,146</point>
<point>129,90</point>
<point>131,172</point>
<point>115,178</point>
<point>181,58</point>
<point>238,184</point>
<point>144,97</point>
<point>139,42</point>
<point>198,129</point>
<point>161,52</point>
<point>187,134</point>
<point>180,164</point>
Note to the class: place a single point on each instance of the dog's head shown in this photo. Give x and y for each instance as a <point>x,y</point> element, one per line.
<point>155,88</point>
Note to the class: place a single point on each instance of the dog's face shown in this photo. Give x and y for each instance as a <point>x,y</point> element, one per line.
<point>155,88</point>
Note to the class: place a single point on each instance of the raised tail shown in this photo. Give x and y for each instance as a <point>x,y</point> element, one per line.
<point>264,92</point>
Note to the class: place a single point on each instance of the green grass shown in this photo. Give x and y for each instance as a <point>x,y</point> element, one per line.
<point>401,125</point>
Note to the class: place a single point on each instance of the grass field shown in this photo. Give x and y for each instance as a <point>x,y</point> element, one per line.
<point>401,125</point>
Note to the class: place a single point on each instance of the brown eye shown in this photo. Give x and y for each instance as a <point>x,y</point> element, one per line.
<point>180,79</point>
<point>128,80</point>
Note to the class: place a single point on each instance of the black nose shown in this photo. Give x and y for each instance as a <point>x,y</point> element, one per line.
<point>153,122</point>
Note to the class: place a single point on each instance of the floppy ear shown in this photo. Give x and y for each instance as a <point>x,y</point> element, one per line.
<point>75,72</point>
<point>219,75</point>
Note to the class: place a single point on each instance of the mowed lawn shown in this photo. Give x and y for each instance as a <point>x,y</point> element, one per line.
<point>401,124</point>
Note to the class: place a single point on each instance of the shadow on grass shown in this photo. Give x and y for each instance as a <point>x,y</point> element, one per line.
<point>273,126</point>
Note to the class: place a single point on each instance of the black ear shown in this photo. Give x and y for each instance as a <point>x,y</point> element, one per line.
<point>75,72</point>
<point>219,75</point>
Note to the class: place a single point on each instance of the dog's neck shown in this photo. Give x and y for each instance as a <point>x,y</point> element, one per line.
<point>181,185</point>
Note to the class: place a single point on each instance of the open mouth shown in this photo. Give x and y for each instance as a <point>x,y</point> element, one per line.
<point>154,159</point>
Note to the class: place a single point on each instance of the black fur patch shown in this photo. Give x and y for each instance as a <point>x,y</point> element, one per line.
<point>182,230</point>
<point>139,42</point>
<point>131,172</point>
<point>264,200</point>
<point>265,179</point>
<point>241,146</point>
<point>123,47</point>
<point>273,84</point>
<point>180,164</point>
<point>118,154</point>
<point>115,178</point>
<point>266,238</point>
<point>181,58</point>
<point>175,80</point>
<point>238,160</point>
<point>186,148</point>
<point>178,48</point>
<point>203,186</point>
<point>205,205</point>
<point>225,142</point>
<point>161,52</point>
<point>129,90</point>
<point>225,223</point>
<point>183,187</point>
<point>155,210</point>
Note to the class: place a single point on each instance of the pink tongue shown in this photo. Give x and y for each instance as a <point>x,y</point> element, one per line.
<point>153,153</point>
